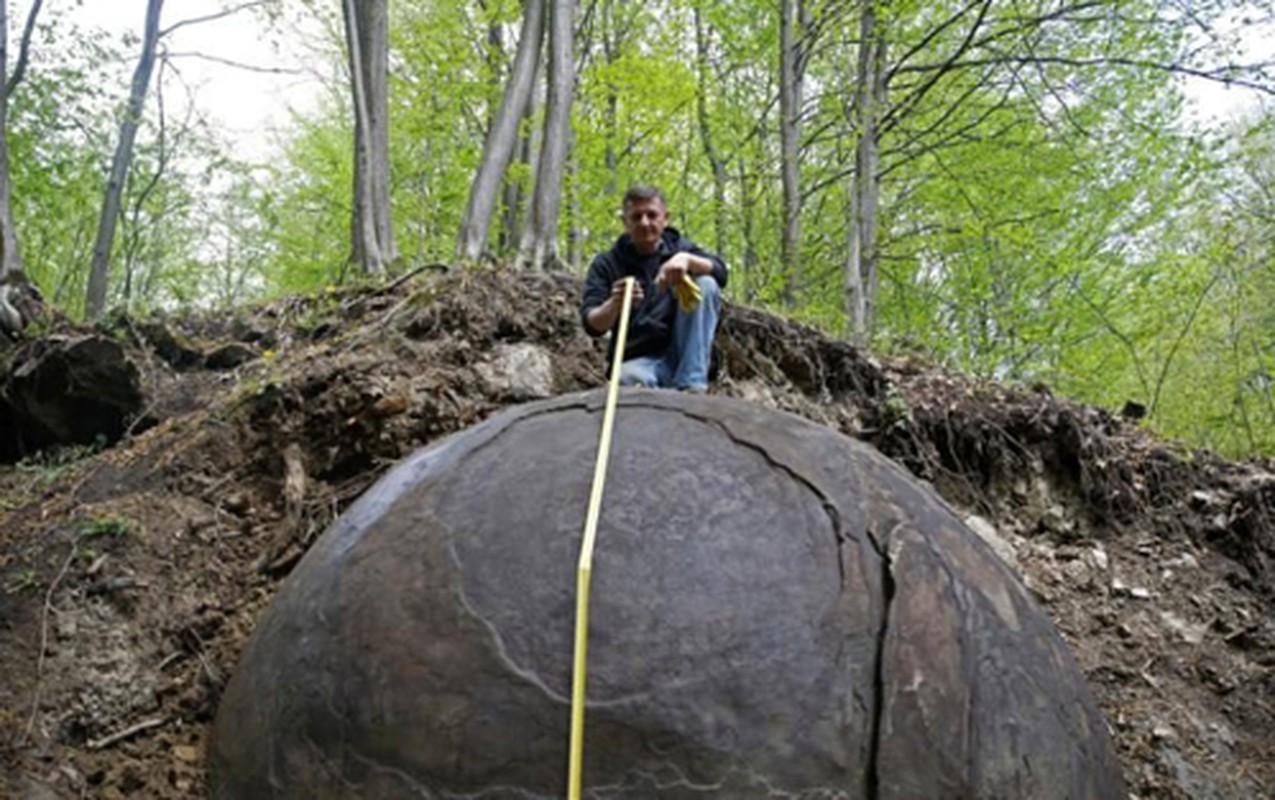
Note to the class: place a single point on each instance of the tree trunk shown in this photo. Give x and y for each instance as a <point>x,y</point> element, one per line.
<point>706,134</point>
<point>503,136</point>
<point>516,192</point>
<point>538,245</point>
<point>10,260</point>
<point>862,257</point>
<point>24,49</point>
<point>99,272</point>
<point>790,98</point>
<point>748,225</point>
<point>575,231</point>
<point>367,39</point>
<point>612,40</point>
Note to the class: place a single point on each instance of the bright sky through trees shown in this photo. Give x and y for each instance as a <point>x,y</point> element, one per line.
<point>249,105</point>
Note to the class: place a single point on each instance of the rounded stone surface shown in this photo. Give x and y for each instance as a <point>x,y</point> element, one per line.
<point>777,611</point>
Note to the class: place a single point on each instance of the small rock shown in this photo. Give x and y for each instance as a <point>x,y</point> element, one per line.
<point>236,503</point>
<point>170,345</point>
<point>1100,559</point>
<point>1220,738</point>
<point>229,356</point>
<point>186,753</point>
<point>1185,561</point>
<point>519,372</point>
<point>1078,574</point>
<point>1202,498</point>
<point>1163,733</point>
<point>1055,521</point>
<point>1191,634</point>
<point>1139,593</point>
<point>67,626</point>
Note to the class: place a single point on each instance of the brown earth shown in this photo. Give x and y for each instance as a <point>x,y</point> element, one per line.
<point>131,577</point>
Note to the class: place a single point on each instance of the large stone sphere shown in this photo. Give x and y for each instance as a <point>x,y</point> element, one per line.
<point>777,611</point>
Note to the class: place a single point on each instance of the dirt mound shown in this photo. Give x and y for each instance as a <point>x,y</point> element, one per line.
<point>130,578</point>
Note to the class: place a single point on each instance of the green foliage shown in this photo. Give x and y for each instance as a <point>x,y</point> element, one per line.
<point>1046,215</point>
<point>21,580</point>
<point>104,527</point>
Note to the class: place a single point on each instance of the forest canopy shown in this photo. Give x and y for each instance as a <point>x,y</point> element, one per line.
<point>1015,189</point>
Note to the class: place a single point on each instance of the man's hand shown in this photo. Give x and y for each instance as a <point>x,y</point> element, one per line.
<point>617,295</point>
<point>678,267</point>
<point>604,316</point>
<point>673,270</point>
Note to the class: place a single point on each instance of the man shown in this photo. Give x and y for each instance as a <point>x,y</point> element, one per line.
<point>667,346</point>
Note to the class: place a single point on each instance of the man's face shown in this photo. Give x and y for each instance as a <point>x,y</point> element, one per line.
<point>644,221</point>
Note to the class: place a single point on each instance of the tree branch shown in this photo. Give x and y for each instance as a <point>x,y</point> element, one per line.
<point>916,96</point>
<point>226,12</point>
<point>1220,75</point>
<point>239,64</point>
<point>24,50</point>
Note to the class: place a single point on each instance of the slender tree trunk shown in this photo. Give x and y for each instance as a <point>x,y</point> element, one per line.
<point>748,226</point>
<point>99,271</point>
<point>502,139</point>
<point>861,277</point>
<point>611,43</point>
<point>517,191</point>
<point>133,232</point>
<point>538,245</point>
<point>24,50</point>
<point>706,133</point>
<point>10,260</point>
<point>367,39</point>
<point>10,255</point>
<point>575,232</point>
<point>790,100</point>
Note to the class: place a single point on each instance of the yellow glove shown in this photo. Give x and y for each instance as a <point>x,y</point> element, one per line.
<point>688,294</point>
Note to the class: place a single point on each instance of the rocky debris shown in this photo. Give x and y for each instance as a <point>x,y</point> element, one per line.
<point>169,344</point>
<point>806,619</point>
<point>229,356</point>
<point>68,390</point>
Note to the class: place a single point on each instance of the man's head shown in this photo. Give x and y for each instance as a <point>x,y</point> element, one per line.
<point>645,217</point>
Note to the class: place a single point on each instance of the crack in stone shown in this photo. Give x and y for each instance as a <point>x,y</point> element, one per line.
<point>878,666</point>
<point>635,783</point>
<point>529,675</point>
<point>498,641</point>
<point>840,537</point>
<point>829,508</point>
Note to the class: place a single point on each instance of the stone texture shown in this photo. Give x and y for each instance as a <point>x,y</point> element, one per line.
<point>518,372</point>
<point>777,611</point>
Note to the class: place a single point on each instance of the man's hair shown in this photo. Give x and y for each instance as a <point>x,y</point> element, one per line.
<point>642,193</point>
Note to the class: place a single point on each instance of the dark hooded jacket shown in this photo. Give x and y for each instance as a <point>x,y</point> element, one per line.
<point>651,324</point>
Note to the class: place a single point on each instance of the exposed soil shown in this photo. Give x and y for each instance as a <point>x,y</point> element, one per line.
<point>131,577</point>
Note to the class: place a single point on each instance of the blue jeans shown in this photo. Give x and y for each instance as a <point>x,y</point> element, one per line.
<point>684,365</point>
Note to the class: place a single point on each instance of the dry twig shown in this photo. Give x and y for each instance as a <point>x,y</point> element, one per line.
<point>107,741</point>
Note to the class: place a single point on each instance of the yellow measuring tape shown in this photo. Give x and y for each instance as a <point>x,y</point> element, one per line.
<point>585,569</point>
